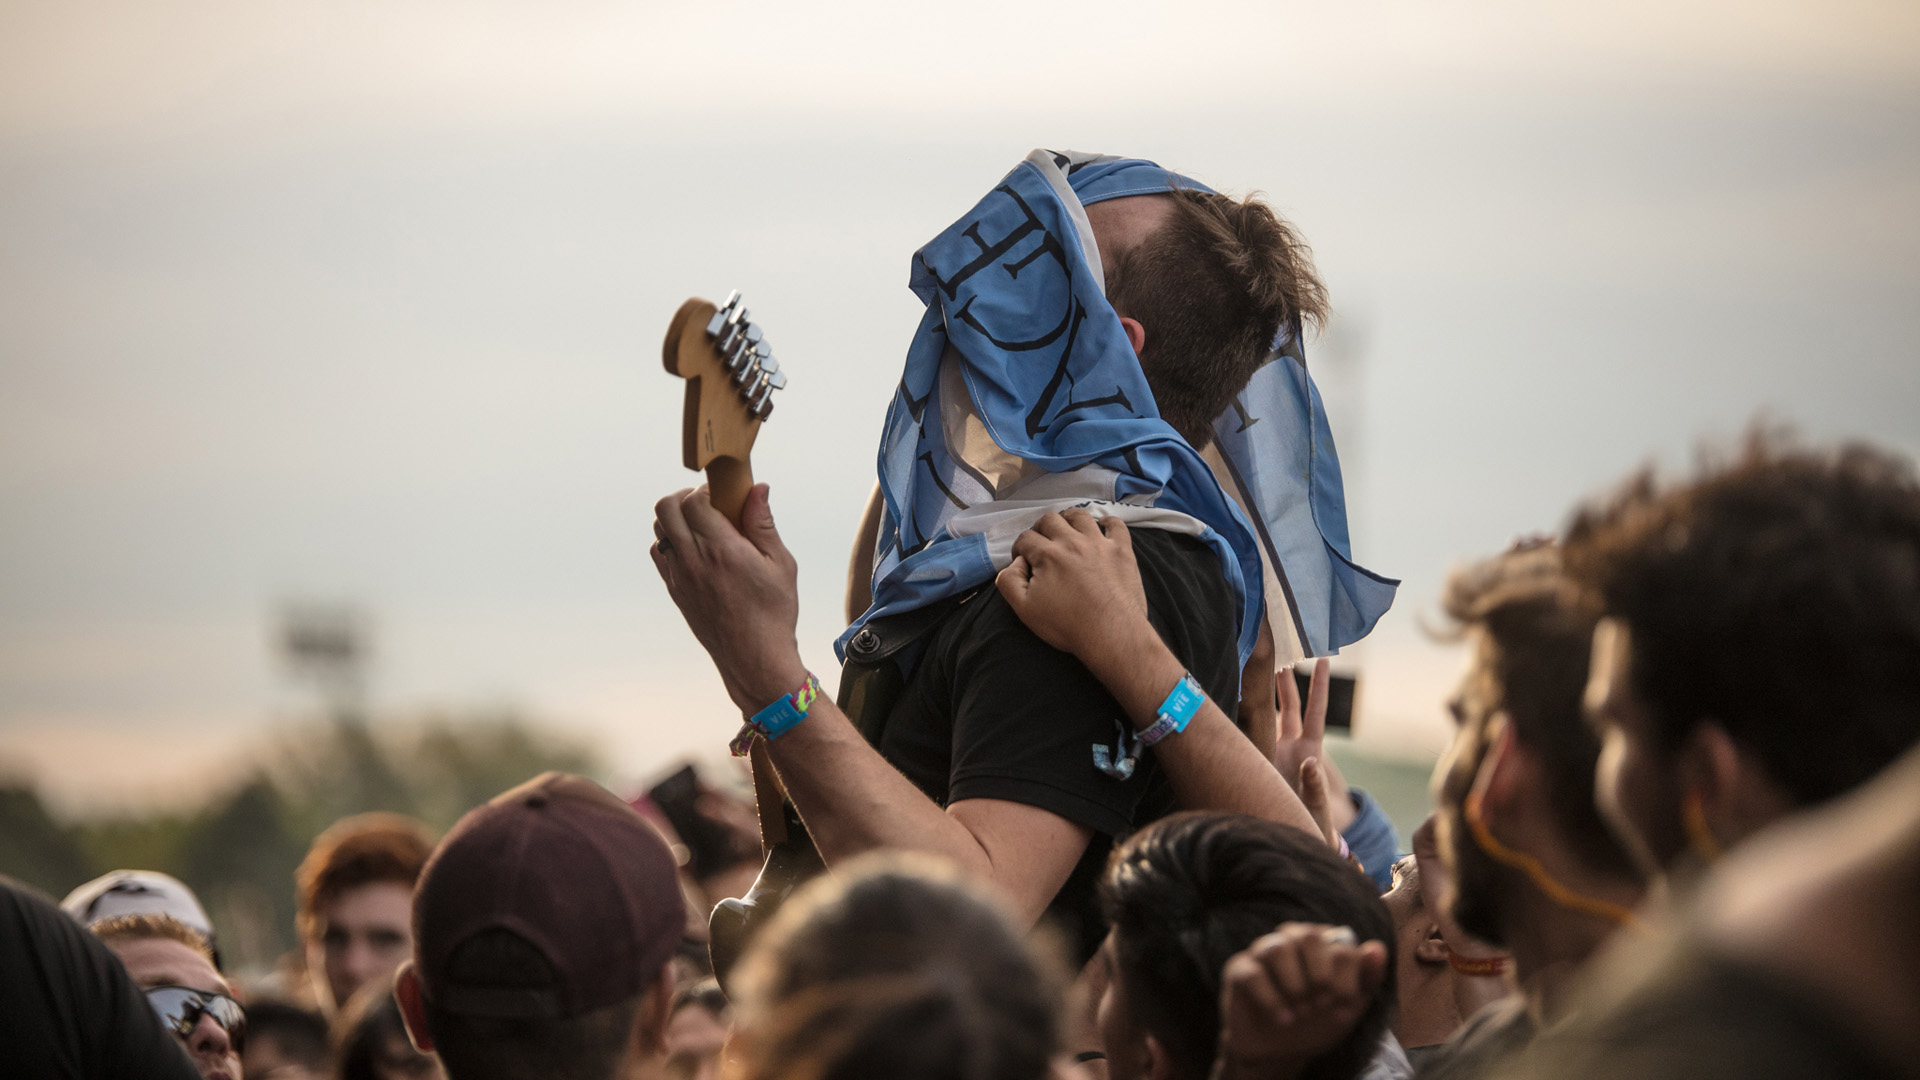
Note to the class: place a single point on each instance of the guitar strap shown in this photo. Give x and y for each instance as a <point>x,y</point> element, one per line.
<point>879,659</point>
<point>875,672</point>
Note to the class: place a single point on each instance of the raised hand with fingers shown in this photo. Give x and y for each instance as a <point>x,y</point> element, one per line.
<point>1074,583</point>
<point>737,588</point>
<point>1292,996</point>
<point>1302,738</point>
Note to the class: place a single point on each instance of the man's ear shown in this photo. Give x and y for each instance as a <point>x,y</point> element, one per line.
<point>1505,772</point>
<point>413,1009</point>
<point>1159,1062</point>
<point>1431,950</point>
<point>1136,334</point>
<point>650,1023</point>
<point>1736,796</point>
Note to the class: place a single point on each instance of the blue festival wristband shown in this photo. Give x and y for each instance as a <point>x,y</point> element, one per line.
<point>778,718</point>
<point>1177,711</point>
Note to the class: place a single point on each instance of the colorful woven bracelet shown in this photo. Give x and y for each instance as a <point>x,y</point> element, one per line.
<point>1177,711</point>
<point>778,718</point>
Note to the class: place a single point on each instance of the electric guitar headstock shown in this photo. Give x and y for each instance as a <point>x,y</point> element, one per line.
<point>731,376</point>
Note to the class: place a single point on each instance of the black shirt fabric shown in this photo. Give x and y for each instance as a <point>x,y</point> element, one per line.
<point>67,1007</point>
<point>992,712</point>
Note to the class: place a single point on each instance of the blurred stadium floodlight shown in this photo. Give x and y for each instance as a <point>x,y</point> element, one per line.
<point>328,646</point>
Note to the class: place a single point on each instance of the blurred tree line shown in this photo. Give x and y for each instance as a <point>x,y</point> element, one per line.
<point>240,848</point>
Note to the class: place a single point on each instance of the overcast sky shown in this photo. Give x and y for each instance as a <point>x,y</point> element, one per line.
<point>363,302</point>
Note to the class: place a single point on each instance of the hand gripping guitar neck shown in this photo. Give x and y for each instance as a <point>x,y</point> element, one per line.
<point>731,376</point>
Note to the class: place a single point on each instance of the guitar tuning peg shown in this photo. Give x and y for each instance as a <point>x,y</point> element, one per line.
<point>760,397</point>
<point>768,364</point>
<point>776,380</point>
<point>721,314</point>
<point>753,333</point>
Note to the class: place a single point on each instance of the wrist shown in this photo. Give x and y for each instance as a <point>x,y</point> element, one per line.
<point>768,684</point>
<point>1118,656</point>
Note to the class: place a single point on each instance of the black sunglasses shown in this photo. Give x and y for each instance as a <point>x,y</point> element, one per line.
<point>181,1007</point>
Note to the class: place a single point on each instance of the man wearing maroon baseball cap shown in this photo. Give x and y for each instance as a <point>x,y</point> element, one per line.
<point>544,928</point>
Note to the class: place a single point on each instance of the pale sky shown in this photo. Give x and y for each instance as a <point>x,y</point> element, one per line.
<point>364,301</point>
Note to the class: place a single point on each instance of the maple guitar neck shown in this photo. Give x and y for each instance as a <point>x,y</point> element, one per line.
<point>731,377</point>
<point>728,481</point>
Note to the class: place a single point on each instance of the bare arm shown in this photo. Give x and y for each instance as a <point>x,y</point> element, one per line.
<point>1069,566</point>
<point>737,589</point>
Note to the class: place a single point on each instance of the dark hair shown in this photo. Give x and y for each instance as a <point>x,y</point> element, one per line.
<point>356,851</point>
<point>895,967</point>
<point>590,1046</point>
<point>1536,639</point>
<point>1191,890</point>
<point>1212,286</point>
<point>1776,594</point>
<point>296,1033</point>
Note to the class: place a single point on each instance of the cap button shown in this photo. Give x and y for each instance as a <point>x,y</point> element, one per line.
<point>536,799</point>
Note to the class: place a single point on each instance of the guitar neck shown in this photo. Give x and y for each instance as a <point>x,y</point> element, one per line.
<point>728,481</point>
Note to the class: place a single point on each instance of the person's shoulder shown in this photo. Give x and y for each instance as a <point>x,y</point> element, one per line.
<point>1166,547</point>
<point>1701,1014</point>
<point>1489,1036</point>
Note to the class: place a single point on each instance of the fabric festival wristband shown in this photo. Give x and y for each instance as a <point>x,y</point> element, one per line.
<point>1477,965</point>
<point>1177,711</point>
<point>778,718</point>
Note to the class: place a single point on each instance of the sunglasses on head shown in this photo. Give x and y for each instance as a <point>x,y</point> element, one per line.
<point>181,1007</point>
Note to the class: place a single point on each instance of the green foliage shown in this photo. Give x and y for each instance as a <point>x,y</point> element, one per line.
<point>240,850</point>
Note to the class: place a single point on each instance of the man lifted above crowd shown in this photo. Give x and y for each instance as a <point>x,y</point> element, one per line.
<point>1090,325</point>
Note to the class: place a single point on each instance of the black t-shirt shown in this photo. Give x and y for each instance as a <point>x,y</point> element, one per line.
<point>992,712</point>
<point>67,1006</point>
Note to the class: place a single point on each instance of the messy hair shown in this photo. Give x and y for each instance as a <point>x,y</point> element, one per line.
<point>356,851</point>
<point>1777,594</point>
<point>1212,287</point>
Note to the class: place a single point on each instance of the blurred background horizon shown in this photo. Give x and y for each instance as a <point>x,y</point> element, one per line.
<point>359,306</point>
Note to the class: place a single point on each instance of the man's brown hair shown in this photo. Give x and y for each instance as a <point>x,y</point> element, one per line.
<point>356,851</point>
<point>1776,594</point>
<point>1212,286</point>
<point>148,925</point>
<point>1536,638</point>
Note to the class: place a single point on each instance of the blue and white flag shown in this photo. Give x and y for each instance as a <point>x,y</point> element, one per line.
<point>1022,395</point>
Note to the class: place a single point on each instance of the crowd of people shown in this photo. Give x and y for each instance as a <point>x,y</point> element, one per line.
<point>1677,832</point>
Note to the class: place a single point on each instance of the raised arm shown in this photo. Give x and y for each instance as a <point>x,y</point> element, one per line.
<point>737,590</point>
<point>1074,583</point>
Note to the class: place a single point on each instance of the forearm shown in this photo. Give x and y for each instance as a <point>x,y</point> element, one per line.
<point>1212,764</point>
<point>853,801</point>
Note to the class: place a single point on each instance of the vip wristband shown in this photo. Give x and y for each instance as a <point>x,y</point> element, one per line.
<point>1177,711</point>
<point>778,718</point>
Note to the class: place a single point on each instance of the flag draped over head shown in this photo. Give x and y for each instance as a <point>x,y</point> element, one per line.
<point>1022,395</point>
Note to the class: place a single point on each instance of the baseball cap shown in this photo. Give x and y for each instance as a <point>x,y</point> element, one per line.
<point>137,892</point>
<point>568,868</point>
